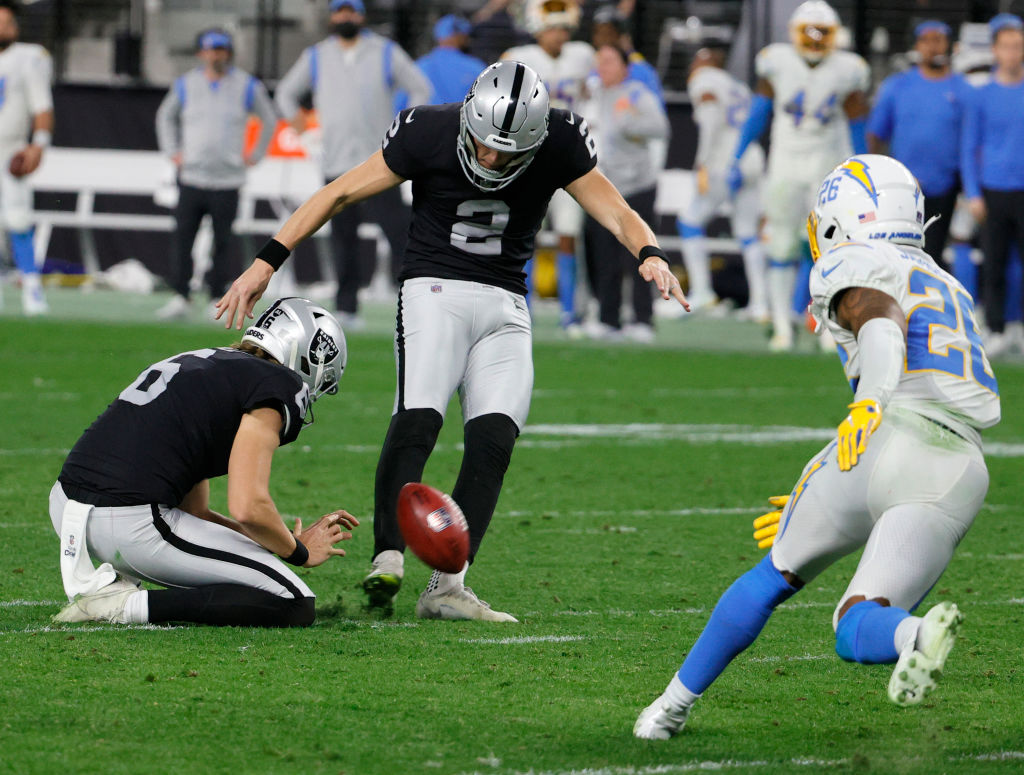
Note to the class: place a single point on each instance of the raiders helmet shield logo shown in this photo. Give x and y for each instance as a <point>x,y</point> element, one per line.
<point>322,349</point>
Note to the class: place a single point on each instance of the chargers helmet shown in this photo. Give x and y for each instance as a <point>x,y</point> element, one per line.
<point>506,110</point>
<point>304,337</point>
<point>813,28</point>
<point>867,197</point>
<point>544,14</point>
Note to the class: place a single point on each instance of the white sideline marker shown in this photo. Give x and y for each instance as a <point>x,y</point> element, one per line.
<point>524,640</point>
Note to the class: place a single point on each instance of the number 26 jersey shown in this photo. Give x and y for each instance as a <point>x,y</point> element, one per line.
<point>460,232</point>
<point>946,375</point>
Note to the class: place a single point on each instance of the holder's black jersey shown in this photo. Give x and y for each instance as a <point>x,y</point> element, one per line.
<point>460,232</point>
<point>174,426</point>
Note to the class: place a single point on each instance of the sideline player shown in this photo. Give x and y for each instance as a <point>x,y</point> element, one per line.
<point>720,106</point>
<point>564,66</point>
<point>482,175</point>
<point>26,105</point>
<point>905,476</point>
<point>185,420</point>
<point>820,109</point>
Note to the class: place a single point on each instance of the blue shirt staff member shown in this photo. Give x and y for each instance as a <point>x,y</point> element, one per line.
<point>449,69</point>
<point>201,125</point>
<point>993,168</point>
<point>917,119</point>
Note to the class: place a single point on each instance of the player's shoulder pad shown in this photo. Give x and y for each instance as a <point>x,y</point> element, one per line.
<point>855,265</point>
<point>771,58</point>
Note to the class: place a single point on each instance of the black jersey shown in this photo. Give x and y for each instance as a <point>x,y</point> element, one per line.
<point>459,232</point>
<point>174,426</point>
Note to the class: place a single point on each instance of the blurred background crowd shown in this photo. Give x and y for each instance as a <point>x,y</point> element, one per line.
<point>183,131</point>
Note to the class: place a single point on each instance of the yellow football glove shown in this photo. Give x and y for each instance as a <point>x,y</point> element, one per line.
<point>863,420</point>
<point>767,525</point>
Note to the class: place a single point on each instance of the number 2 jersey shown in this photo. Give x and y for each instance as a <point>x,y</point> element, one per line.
<point>946,375</point>
<point>808,103</point>
<point>458,231</point>
<point>175,426</point>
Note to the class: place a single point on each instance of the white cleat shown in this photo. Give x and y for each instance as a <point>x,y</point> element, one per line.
<point>641,333</point>
<point>107,605</point>
<point>781,342</point>
<point>177,308</point>
<point>385,579</point>
<point>33,301</point>
<point>458,603</point>
<point>660,720</point>
<point>920,665</point>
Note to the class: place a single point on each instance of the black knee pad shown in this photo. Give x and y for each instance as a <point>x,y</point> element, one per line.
<point>416,428</point>
<point>489,440</point>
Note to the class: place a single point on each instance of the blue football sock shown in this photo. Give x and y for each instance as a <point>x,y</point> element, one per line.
<point>23,252</point>
<point>567,285</point>
<point>867,632</point>
<point>689,231</point>
<point>964,269</point>
<point>735,623</point>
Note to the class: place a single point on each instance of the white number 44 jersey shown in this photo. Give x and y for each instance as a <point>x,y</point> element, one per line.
<point>808,101</point>
<point>946,375</point>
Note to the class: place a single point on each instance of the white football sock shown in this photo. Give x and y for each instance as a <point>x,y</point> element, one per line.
<point>136,607</point>
<point>781,282</point>
<point>906,633</point>
<point>677,694</point>
<point>698,269</point>
<point>441,582</point>
<point>753,265</point>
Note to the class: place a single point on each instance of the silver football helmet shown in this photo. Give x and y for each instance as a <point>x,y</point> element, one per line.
<point>506,110</point>
<point>304,337</point>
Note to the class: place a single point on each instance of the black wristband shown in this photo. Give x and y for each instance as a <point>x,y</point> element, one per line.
<point>300,556</point>
<point>652,250</point>
<point>274,253</point>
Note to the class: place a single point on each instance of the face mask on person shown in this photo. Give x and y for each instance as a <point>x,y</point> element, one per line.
<point>346,30</point>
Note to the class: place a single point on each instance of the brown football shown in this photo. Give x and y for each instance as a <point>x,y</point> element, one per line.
<point>433,527</point>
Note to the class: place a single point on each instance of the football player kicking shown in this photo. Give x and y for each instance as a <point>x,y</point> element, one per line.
<point>134,491</point>
<point>905,476</point>
<point>483,173</point>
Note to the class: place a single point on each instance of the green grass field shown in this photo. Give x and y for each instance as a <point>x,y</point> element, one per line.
<point>625,513</point>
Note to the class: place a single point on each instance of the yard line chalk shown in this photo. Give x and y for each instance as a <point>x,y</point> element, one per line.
<point>671,769</point>
<point>525,639</point>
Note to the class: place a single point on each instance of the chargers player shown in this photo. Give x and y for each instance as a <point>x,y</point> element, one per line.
<point>563,65</point>
<point>904,477</point>
<point>720,106</point>
<point>820,110</point>
<point>26,106</point>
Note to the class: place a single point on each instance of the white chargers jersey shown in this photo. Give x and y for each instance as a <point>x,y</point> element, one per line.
<point>564,75</point>
<point>25,73</point>
<point>946,375</point>
<point>808,102</point>
<point>721,104</point>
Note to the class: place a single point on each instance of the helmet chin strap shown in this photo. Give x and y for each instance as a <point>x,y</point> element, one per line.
<point>930,221</point>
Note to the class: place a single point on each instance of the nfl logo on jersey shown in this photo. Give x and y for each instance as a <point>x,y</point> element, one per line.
<point>435,288</point>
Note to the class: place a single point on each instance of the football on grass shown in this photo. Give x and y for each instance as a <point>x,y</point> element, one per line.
<point>434,527</point>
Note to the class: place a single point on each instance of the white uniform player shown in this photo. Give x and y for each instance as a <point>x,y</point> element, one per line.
<point>720,106</point>
<point>817,96</point>
<point>26,107</point>
<point>904,477</point>
<point>564,66</point>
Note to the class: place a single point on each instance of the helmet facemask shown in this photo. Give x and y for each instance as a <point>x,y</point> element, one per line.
<point>506,110</point>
